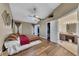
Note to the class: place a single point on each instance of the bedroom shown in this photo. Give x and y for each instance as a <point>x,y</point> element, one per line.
<point>34,25</point>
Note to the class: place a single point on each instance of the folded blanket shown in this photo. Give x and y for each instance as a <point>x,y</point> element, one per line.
<point>11,37</point>
<point>33,37</point>
<point>24,40</point>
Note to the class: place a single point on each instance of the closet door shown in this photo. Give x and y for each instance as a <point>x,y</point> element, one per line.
<point>54,31</point>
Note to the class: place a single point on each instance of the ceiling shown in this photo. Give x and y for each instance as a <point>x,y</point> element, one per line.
<point>21,11</point>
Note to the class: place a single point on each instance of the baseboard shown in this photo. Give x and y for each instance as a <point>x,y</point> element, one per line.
<point>43,37</point>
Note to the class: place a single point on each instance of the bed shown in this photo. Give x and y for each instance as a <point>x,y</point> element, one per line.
<point>14,46</point>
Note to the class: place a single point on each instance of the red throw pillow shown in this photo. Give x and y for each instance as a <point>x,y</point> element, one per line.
<point>24,40</point>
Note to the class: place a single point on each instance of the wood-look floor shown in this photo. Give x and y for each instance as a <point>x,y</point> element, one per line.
<point>45,49</point>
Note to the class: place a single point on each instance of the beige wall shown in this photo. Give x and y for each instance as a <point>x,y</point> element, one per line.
<point>15,28</point>
<point>78,19</point>
<point>63,9</point>
<point>53,29</point>
<point>27,28</point>
<point>43,29</point>
<point>4,30</point>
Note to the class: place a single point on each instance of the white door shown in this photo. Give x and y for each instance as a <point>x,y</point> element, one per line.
<point>54,31</point>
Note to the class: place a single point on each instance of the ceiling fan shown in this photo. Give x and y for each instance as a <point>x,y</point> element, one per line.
<point>34,10</point>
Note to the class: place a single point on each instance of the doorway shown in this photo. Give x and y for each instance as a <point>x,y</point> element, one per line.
<point>36,30</point>
<point>48,31</point>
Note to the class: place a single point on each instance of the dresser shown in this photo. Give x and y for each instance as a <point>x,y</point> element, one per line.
<point>67,37</point>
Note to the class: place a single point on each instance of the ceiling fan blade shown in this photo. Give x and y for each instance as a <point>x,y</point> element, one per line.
<point>37,17</point>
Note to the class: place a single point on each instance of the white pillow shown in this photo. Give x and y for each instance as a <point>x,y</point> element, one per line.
<point>18,39</point>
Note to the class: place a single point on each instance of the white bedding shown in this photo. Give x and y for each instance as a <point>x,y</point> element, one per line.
<point>14,46</point>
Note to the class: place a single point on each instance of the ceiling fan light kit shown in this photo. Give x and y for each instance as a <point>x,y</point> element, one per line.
<point>34,16</point>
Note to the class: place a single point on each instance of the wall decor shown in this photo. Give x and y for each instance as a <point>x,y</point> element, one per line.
<point>6,18</point>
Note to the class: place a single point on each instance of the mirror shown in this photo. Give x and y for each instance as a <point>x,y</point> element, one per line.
<point>71,28</point>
